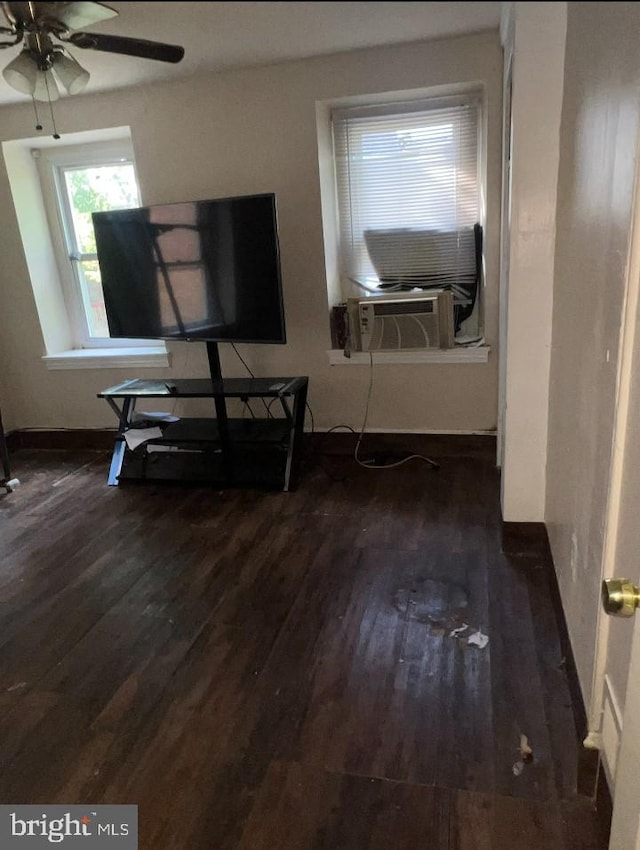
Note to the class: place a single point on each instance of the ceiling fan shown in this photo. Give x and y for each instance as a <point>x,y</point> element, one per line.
<point>45,29</point>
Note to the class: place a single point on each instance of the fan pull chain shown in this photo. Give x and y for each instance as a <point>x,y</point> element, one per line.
<point>56,135</point>
<point>35,109</point>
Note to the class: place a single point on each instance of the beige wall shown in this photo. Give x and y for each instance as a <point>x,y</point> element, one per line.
<point>533,30</point>
<point>599,135</point>
<point>245,132</point>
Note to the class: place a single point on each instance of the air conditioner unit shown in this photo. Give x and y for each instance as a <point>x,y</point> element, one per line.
<point>402,321</point>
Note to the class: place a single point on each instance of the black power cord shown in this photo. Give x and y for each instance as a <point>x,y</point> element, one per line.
<point>371,464</point>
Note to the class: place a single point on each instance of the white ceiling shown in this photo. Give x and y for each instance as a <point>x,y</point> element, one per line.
<point>219,36</point>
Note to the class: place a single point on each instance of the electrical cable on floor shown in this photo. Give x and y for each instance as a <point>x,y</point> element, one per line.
<point>371,464</point>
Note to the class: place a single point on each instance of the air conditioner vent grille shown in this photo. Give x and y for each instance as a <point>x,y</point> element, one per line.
<point>405,332</point>
<point>399,308</point>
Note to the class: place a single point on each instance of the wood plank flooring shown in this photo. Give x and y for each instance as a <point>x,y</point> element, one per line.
<point>269,670</point>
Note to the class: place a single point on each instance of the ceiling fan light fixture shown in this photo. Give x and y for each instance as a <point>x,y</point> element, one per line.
<point>70,72</point>
<point>46,88</point>
<point>44,62</point>
<point>22,73</point>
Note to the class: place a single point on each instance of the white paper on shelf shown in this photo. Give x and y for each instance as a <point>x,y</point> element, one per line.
<point>150,416</point>
<point>162,448</point>
<point>136,436</point>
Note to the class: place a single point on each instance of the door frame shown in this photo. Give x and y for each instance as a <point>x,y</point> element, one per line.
<point>505,233</point>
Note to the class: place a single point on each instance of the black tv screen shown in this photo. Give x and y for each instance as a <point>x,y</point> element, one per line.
<point>203,270</point>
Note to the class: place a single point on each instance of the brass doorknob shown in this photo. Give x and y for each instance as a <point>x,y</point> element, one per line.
<point>620,597</point>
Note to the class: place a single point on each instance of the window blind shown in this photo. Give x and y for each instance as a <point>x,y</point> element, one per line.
<point>408,191</point>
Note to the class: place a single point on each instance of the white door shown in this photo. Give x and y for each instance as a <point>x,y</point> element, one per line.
<point>625,828</point>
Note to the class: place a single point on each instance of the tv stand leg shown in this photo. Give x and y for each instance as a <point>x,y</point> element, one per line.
<point>116,462</point>
<point>295,440</point>
<point>213,355</point>
<point>124,417</point>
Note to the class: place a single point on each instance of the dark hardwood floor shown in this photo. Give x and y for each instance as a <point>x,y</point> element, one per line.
<point>271,670</point>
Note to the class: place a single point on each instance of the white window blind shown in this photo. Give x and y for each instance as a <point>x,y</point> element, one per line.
<point>408,191</point>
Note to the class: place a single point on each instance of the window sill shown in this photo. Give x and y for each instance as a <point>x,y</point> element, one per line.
<point>109,358</point>
<point>479,354</point>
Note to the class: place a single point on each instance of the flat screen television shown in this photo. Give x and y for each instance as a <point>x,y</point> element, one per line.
<point>202,270</point>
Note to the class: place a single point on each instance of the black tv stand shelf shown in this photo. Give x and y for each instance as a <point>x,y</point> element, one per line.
<point>225,451</point>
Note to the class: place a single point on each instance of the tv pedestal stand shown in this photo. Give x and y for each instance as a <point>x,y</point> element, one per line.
<point>224,451</point>
<point>7,483</point>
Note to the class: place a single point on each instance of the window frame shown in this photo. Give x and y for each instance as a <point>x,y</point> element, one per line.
<point>472,97</point>
<point>52,164</point>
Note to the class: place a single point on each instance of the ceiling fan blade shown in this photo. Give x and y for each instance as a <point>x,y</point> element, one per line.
<point>6,10</point>
<point>72,16</point>
<point>77,16</point>
<point>128,46</point>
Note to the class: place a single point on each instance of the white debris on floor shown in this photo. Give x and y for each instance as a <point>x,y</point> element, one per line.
<point>478,639</point>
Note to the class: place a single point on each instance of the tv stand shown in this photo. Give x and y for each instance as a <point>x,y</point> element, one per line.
<point>222,450</point>
<point>7,483</point>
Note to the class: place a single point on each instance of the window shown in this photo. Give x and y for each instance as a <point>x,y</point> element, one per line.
<point>409,196</point>
<point>78,181</point>
<point>34,166</point>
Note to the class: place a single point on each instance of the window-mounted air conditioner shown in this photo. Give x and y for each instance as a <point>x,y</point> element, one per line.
<point>402,321</point>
